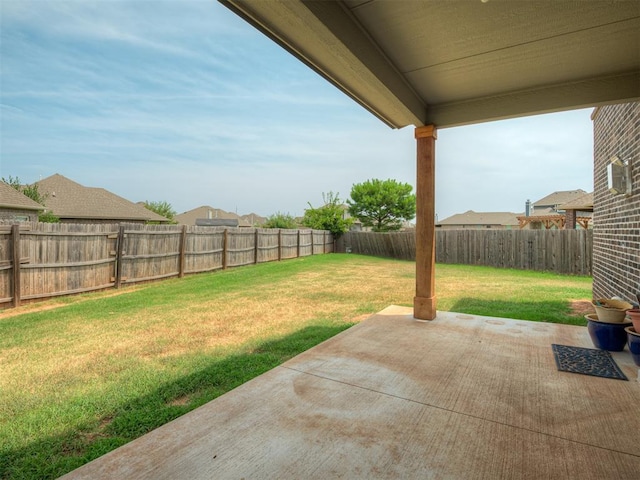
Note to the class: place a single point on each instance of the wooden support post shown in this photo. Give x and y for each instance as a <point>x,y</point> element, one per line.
<point>324,242</point>
<point>225,243</point>
<point>313,242</point>
<point>298,248</point>
<point>256,241</point>
<point>424,303</point>
<point>15,244</point>
<point>279,244</point>
<point>183,243</point>
<point>119,254</point>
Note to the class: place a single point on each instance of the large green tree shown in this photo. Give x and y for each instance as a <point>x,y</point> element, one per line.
<point>162,208</point>
<point>330,216</point>
<point>382,204</point>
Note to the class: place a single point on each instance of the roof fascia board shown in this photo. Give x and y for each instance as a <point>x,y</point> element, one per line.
<point>325,37</point>
<point>592,92</point>
<point>20,207</point>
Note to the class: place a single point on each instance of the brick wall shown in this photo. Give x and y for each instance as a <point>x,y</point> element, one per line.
<point>11,215</point>
<point>570,219</point>
<point>616,224</point>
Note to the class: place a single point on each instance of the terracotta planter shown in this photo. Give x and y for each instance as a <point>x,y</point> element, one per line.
<point>633,340</point>
<point>634,316</point>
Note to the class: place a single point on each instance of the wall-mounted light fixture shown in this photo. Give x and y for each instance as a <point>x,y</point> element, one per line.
<point>619,177</point>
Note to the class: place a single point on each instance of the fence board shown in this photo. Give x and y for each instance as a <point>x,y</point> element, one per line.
<point>306,243</point>
<point>560,251</point>
<point>63,258</point>
<point>150,252</point>
<point>267,249</point>
<point>242,248</point>
<point>204,249</point>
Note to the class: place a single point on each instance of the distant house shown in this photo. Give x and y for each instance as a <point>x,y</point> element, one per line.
<point>552,203</point>
<point>253,219</point>
<point>480,220</point>
<point>578,211</point>
<point>75,203</point>
<point>356,226</point>
<point>548,212</point>
<point>209,216</point>
<point>17,207</point>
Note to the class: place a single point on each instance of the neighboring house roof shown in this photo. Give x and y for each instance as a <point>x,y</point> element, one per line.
<point>481,218</point>
<point>70,200</point>
<point>206,212</point>
<point>583,203</point>
<point>253,219</point>
<point>559,198</point>
<point>217,222</point>
<point>10,198</point>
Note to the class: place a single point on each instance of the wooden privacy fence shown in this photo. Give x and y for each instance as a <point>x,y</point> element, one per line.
<point>40,260</point>
<point>560,251</point>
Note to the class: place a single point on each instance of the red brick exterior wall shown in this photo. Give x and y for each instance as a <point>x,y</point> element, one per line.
<point>616,218</point>
<point>570,219</point>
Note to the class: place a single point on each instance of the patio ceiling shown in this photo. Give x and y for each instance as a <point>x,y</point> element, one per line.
<point>454,63</point>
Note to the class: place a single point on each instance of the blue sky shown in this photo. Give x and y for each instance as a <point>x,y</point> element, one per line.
<point>182,101</point>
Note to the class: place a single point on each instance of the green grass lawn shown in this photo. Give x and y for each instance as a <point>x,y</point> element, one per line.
<point>83,375</point>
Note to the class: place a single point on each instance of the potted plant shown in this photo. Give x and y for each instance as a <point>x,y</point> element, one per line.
<point>634,316</point>
<point>633,339</point>
<point>611,310</point>
<point>610,336</point>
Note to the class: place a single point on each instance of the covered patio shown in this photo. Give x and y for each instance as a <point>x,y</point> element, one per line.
<point>459,397</point>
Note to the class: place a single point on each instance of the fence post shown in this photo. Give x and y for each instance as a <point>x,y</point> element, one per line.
<point>324,242</point>
<point>298,249</point>
<point>257,240</point>
<point>183,242</point>
<point>225,240</point>
<point>119,254</point>
<point>15,243</point>
<point>313,243</point>
<point>279,244</point>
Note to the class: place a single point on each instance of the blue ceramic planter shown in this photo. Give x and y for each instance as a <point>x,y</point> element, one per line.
<point>608,336</point>
<point>633,340</point>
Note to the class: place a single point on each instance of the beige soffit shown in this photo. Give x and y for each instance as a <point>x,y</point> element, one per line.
<point>451,63</point>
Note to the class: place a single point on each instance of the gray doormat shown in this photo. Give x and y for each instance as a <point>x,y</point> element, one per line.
<point>586,361</point>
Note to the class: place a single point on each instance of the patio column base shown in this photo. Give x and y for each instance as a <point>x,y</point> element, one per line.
<point>424,308</point>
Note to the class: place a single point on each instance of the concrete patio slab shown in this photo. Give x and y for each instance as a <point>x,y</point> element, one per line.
<point>393,397</point>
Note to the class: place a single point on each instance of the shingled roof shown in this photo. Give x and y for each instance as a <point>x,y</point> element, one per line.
<point>10,198</point>
<point>481,218</point>
<point>559,198</point>
<point>69,200</point>
<point>206,212</point>
<point>583,203</point>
